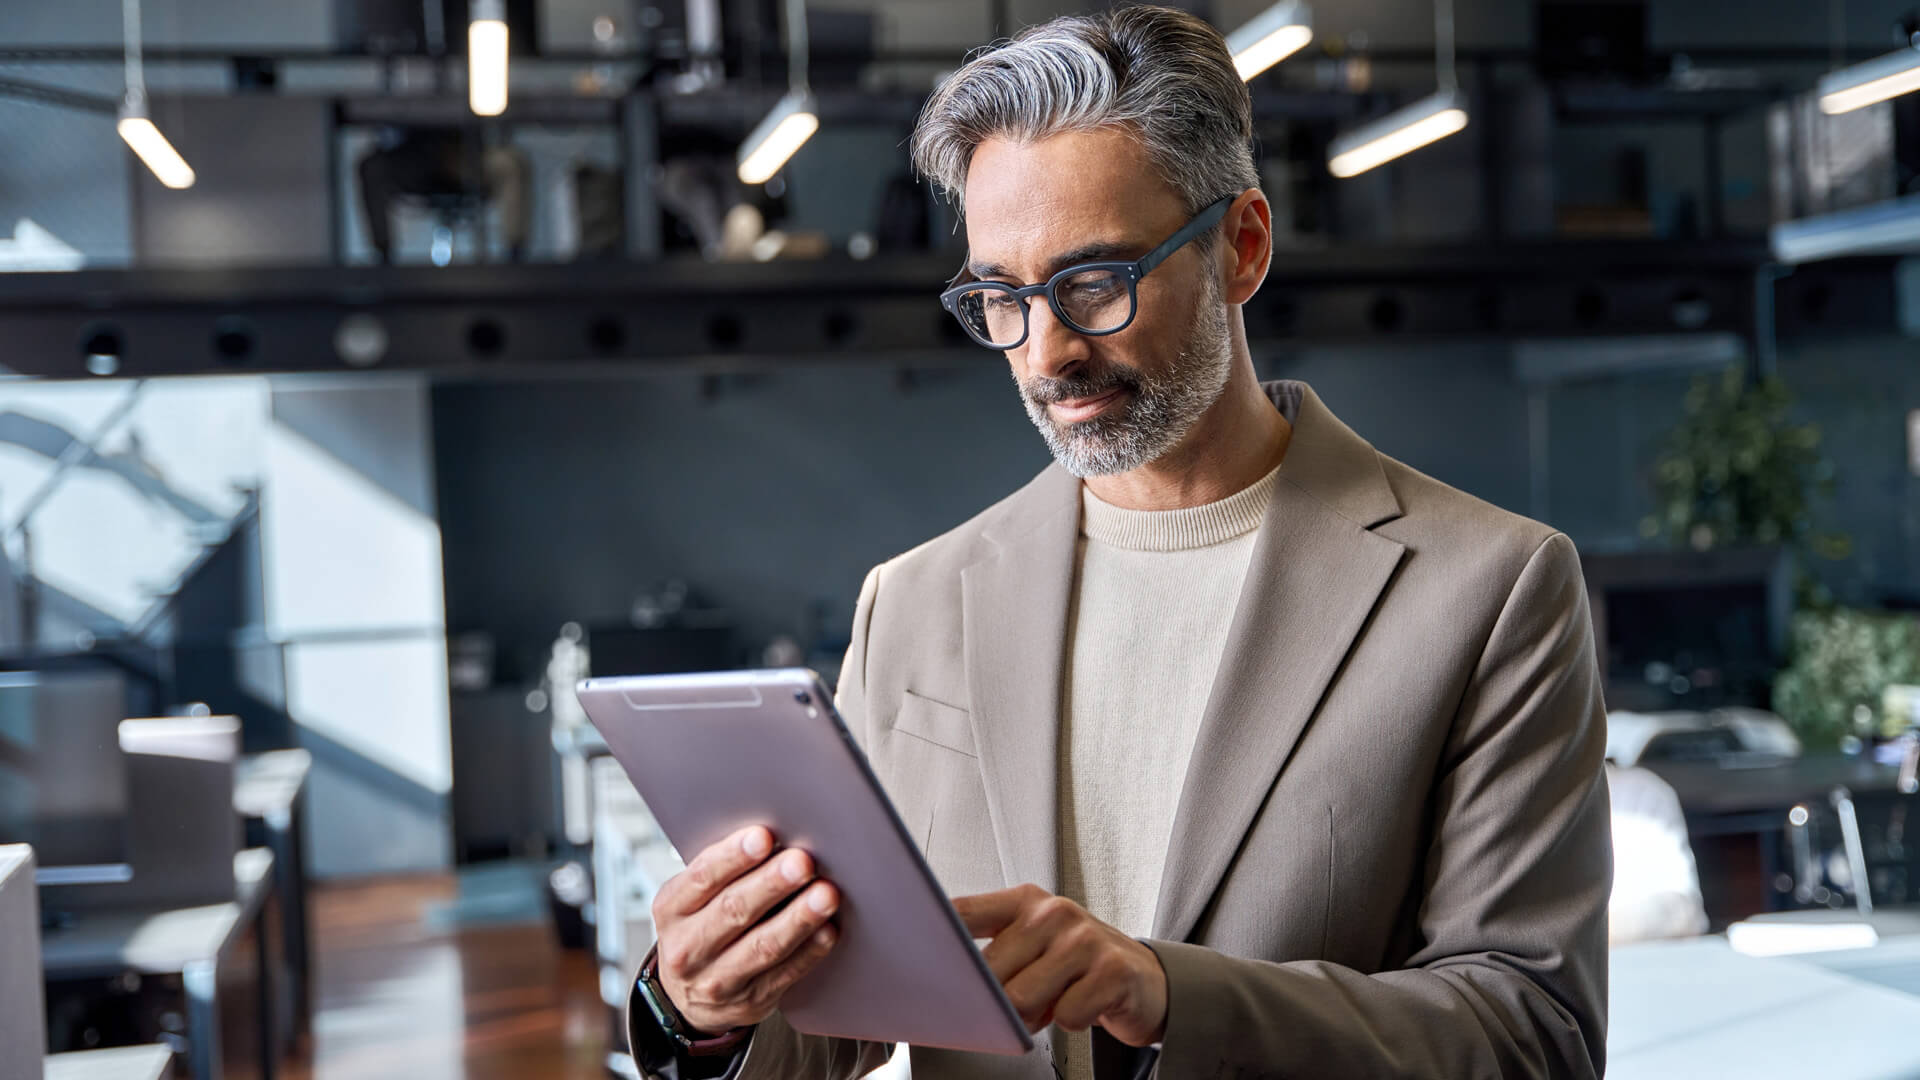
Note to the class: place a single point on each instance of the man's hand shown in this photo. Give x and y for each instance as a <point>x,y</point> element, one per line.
<point>1062,966</point>
<point>722,966</point>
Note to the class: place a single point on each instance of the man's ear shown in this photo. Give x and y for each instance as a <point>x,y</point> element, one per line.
<point>1248,227</point>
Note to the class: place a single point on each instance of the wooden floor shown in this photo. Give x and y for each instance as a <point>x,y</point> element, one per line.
<point>397,999</point>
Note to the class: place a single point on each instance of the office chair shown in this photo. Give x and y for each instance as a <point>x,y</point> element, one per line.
<point>1856,850</point>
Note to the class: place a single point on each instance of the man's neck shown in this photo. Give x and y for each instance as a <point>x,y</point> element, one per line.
<point>1238,441</point>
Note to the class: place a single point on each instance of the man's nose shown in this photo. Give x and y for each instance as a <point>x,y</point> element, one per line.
<point>1053,348</point>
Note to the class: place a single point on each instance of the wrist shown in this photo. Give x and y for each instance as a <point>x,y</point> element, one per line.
<point>667,1011</point>
<point>651,1005</point>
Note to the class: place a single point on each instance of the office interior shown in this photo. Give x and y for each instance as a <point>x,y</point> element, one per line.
<point>371,382</point>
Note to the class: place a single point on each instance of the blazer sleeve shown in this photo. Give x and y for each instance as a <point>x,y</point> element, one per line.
<point>1511,978</point>
<point>776,1051</point>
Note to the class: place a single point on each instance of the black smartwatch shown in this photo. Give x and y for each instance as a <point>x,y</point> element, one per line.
<point>659,1035</point>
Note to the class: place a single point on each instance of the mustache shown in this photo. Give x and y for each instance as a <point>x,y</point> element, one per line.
<point>1044,391</point>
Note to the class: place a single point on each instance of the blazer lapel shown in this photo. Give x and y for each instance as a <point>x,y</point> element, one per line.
<point>1316,573</point>
<point>1014,617</point>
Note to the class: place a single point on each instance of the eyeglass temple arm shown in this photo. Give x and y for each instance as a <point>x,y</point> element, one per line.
<point>962,276</point>
<point>1208,219</point>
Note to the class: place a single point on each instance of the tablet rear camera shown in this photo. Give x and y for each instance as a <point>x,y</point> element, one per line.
<point>803,697</point>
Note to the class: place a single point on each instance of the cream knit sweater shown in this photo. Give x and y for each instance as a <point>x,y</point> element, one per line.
<point>1154,593</point>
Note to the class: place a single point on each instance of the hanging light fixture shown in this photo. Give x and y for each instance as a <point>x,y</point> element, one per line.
<point>1880,79</point>
<point>136,128</point>
<point>795,117</point>
<point>487,58</point>
<point>138,131</point>
<point>1422,123</point>
<point>1270,37</point>
<point>1398,134</point>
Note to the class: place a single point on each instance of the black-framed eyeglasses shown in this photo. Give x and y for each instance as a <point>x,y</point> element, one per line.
<point>1095,299</point>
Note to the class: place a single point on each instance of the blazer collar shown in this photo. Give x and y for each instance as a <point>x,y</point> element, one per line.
<point>1328,461</point>
<point>1316,572</point>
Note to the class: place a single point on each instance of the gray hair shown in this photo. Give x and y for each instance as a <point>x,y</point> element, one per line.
<point>1160,74</point>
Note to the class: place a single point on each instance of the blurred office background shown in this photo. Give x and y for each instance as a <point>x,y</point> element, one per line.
<point>358,413</point>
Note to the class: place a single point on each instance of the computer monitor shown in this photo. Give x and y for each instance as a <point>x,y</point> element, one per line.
<point>631,650</point>
<point>1690,630</point>
<point>63,780</point>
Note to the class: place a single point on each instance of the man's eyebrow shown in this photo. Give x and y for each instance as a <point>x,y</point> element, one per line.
<point>1104,252</point>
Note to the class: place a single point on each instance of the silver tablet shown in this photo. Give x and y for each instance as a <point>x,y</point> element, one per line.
<point>715,753</point>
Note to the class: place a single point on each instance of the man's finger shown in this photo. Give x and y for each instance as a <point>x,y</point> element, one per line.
<point>767,946</point>
<point>770,985</point>
<point>986,914</point>
<point>1035,991</point>
<point>741,905</point>
<point>713,870</point>
<point>1086,1001</point>
<point>1012,949</point>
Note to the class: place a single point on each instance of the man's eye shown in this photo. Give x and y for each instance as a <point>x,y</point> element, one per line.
<point>1093,287</point>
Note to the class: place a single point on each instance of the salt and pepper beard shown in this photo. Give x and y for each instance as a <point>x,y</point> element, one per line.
<point>1162,407</point>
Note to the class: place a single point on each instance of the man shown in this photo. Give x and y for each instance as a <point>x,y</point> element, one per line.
<point>1253,752</point>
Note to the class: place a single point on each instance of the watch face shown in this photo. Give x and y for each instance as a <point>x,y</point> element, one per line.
<point>648,989</point>
<point>652,1046</point>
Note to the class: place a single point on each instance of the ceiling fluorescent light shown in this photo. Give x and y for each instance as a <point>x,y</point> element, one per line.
<point>154,149</point>
<point>1398,133</point>
<point>135,126</point>
<point>1405,130</point>
<point>794,118</point>
<point>1270,37</point>
<point>1870,83</point>
<point>791,123</point>
<point>487,58</point>
<point>1886,228</point>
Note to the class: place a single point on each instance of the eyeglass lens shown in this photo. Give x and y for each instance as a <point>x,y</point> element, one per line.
<point>1092,300</point>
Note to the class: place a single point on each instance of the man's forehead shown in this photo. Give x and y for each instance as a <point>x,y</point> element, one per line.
<point>1026,233</point>
<point>1031,207</point>
<point>1077,174</point>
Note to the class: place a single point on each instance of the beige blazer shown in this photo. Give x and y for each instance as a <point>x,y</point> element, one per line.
<point>1392,853</point>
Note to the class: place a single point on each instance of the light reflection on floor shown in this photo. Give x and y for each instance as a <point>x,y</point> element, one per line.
<point>409,988</point>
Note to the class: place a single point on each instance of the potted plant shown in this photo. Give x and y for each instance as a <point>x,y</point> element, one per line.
<point>1843,662</point>
<point>1736,472</point>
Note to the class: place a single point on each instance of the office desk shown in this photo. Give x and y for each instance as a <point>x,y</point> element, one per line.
<point>119,1063</point>
<point>1697,1008</point>
<point>221,958</point>
<point>22,1012</point>
<point>1894,963</point>
<point>1736,821</point>
<point>268,792</point>
<point>1719,799</point>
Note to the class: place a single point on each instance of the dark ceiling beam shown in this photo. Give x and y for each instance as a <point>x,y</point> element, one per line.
<point>1591,101</point>
<point>452,110</point>
<point>907,275</point>
<point>81,54</point>
<point>1734,54</point>
<point>42,94</point>
<point>742,107</point>
<point>629,318</point>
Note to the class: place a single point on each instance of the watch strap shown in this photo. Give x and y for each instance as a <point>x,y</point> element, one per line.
<point>650,989</point>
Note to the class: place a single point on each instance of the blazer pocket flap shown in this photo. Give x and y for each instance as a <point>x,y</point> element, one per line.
<point>936,722</point>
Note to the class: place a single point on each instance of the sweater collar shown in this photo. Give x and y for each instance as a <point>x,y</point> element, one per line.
<point>1176,530</point>
<point>1325,459</point>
